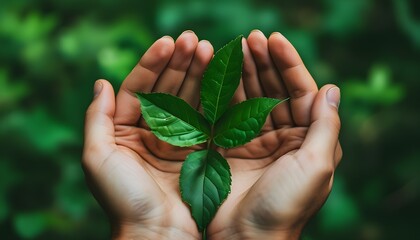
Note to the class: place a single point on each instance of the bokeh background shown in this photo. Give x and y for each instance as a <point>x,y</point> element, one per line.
<point>51,52</point>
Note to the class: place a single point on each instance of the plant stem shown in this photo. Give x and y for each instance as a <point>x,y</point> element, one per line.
<point>210,143</point>
<point>204,234</point>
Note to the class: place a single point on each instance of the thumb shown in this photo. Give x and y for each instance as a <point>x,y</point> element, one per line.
<point>322,137</point>
<point>99,126</point>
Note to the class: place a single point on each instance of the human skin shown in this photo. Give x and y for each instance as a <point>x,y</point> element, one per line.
<point>279,180</point>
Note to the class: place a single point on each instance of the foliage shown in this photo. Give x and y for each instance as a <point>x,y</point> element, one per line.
<point>51,52</point>
<point>205,175</point>
<point>205,181</point>
<point>172,120</point>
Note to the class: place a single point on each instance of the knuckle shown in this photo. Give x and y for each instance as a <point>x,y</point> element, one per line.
<point>92,154</point>
<point>333,124</point>
<point>322,167</point>
<point>338,153</point>
<point>299,93</point>
<point>325,169</point>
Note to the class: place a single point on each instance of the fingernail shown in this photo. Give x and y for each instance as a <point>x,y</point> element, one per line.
<point>333,97</point>
<point>255,31</point>
<point>204,41</point>
<point>276,33</point>
<point>97,88</point>
<point>167,37</point>
<point>187,31</point>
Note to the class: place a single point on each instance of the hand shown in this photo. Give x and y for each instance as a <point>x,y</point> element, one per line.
<point>281,178</point>
<point>132,174</point>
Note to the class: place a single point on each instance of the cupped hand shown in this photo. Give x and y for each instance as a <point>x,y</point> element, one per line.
<point>281,178</point>
<point>132,174</point>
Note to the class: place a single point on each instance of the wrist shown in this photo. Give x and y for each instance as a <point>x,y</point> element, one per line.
<point>271,234</point>
<point>269,231</point>
<point>133,232</point>
<point>255,233</point>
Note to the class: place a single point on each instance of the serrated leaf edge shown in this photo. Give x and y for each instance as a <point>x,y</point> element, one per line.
<point>157,134</point>
<point>238,104</point>
<point>239,38</point>
<point>229,183</point>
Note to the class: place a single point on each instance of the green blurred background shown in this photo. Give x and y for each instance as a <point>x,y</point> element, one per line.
<point>51,52</point>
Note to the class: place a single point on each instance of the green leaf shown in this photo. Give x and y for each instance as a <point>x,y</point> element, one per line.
<point>172,120</point>
<point>243,122</point>
<point>221,79</point>
<point>205,183</point>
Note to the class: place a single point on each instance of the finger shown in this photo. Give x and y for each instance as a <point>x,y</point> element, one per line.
<point>239,95</point>
<point>322,137</point>
<point>300,85</point>
<point>171,79</point>
<point>269,77</point>
<point>249,86</point>
<point>142,79</point>
<point>99,125</point>
<point>190,89</point>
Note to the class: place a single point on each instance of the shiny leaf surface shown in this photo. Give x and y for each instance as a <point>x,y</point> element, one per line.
<point>172,120</point>
<point>205,183</point>
<point>243,122</point>
<point>221,79</point>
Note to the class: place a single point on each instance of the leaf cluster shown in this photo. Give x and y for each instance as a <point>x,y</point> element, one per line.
<point>205,177</point>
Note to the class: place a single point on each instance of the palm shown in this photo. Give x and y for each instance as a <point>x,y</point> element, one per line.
<point>134,175</point>
<point>271,179</point>
<point>254,185</point>
<point>147,192</point>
